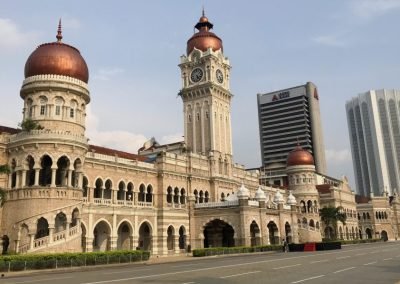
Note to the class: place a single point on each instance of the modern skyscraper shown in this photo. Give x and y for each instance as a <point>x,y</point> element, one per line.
<point>287,117</point>
<point>373,122</point>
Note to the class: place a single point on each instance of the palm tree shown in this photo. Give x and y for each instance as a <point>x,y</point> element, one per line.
<point>4,169</point>
<point>331,215</point>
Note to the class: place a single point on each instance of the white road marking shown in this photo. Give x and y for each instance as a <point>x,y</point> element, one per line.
<point>343,257</point>
<point>282,267</point>
<point>370,263</point>
<point>388,258</point>
<point>124,271</point>
<point>344,269</point>
<point>311,278</point>
<point>224,266</point>
<point>324,260</point>
<point>234,275</point>
<point>361,254</point>
<point>42,280</point>
<point>189,283</point>
<point>374,252</point>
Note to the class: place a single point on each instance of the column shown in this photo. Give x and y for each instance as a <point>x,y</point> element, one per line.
<point>114,233</point>
<point>80,179</point>
<point>90,194</point>
<point>51,232</point>
<point>114,196</point>
<point>9,180</point>
<point>17,179</point>
<point>176,244</point>
<point>37,173</point>
<point>67,230</point>
<point>23,181</point>
<point>32,239</point>
<point>69,181</point>
<point>53,177</point>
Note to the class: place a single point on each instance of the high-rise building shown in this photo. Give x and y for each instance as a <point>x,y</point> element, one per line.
<point>373,122</point>
<point>286,118</point>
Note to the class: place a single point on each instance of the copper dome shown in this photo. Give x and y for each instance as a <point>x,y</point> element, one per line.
<point>204,39</point>
<point>57,58</point>
<point>299,156</point>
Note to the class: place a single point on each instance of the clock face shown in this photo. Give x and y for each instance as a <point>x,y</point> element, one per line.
<point>220,76</point>
<point>196,75</point>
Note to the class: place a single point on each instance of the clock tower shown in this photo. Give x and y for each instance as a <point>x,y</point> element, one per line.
<point>206,94</point>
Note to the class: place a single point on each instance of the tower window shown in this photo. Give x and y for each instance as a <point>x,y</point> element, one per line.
<point>42,110</point>
<point>207,114</point>
<point>58,110</point>
<point>198,116</point>
<point>30,112</point>
<point>190,118</point>
<point>71,113</point>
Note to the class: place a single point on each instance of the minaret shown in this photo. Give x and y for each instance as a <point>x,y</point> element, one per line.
<point>206,94</point>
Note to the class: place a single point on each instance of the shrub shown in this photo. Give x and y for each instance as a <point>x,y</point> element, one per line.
<point>231,250</point>
<point>57,260</point>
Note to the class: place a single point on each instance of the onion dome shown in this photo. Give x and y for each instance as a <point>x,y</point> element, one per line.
<point>291,200</point>
<point>260,195</point>
<point>231,197</point>
<point>278,197</point>
<point>204,39</point>
<point>57,58</point>
<point>243,192</point>
<point>299,156</point>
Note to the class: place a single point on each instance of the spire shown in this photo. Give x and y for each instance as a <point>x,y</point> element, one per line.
<point>59,32</point>
<point>203,14</point>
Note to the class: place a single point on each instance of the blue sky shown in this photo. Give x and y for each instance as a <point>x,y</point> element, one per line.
<point>133,47</point>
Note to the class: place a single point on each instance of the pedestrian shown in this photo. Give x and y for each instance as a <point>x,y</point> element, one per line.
<point>283,245</point>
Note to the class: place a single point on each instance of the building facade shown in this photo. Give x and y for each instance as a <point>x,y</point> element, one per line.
<point>66,195</point>
<point>374,129</point>
<point>288,117</point>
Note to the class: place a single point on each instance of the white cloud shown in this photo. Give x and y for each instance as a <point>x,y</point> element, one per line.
<point>368,9</point>
<point>329,40</point>
<point>115,139</point>
<point>12,37</point>
<point>105,74</point>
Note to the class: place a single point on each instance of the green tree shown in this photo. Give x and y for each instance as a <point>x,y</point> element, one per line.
<point>330,216</point>
<point>4,169</point>
<point>28,125</point>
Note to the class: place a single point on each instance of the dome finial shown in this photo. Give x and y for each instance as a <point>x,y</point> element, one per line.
<point>59,32</point>
<point>203,14</point>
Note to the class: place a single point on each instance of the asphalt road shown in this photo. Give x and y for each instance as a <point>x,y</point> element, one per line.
<point>367,263</point>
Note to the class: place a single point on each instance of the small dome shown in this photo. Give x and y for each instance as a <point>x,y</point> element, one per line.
<point>260,195</point>
<point>299,156</point>
<point>57,58</point>
<point>243,192</point>
<point>231,197</point>
<point>204,39</point>
<point>291,200</point>
<point>278,197</point>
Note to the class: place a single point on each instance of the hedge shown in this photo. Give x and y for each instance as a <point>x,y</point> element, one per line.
<point>58,260</point>
<point>231,250</point>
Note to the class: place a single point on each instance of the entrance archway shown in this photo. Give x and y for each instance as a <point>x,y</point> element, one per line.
<point>329,233</point>
<point>368,233</point>
<point>384,236</point>
<point>218,233</point>
<point>124,236</point>
<point>170,238</point>
<point>255,234</point>
<point>145,237</point>
<point>288,233</point>
<point>101,240</point>
<point>273,233</point>
<point>182,237</point>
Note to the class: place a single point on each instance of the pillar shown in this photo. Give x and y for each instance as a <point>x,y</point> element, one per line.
<point>37,173</point>
<point>31,240</point>
<point>51,232</point>
<point>23,181</point>
<point>69,181</point>
<point>17,181</point>
<point>9,180</point>
<point>53,177</point>
<point>67,229</point>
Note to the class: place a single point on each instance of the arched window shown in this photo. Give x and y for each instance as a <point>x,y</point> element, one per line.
<point>149,194</point>
<point>183,196</point>
<point>206,197</point>
<point>169,194</point>
<point>196,196</point>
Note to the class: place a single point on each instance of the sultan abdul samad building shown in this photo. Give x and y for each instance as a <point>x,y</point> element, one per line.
<point>64,194</point>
